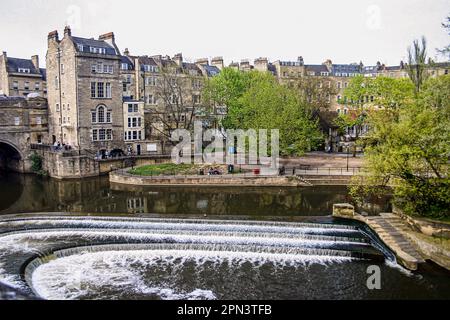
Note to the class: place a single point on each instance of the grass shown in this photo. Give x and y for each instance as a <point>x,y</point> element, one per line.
<point>165,169</point>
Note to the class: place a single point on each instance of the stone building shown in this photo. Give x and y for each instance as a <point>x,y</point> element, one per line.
<point>85,92</point>
<point>20,77</point>
<point>134,127</point>
<point>23,122</point>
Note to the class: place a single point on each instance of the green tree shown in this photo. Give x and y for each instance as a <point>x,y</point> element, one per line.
<point>410,150</point>
<point>255,100</point>
<point>417,59</point>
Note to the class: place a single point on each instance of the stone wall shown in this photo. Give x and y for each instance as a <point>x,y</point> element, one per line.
<point>122,177</point>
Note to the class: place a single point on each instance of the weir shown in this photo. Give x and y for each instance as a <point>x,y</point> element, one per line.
<point>43,242</point>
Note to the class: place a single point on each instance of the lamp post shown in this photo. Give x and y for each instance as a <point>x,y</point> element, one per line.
<point>348,154</point>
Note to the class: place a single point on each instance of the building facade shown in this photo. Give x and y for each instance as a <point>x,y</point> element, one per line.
<point>20,77</point>
<point>85,92</point>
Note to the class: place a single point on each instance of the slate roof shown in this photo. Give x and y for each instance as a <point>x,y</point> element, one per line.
<point>15,63</point>
<point>212,71</point>
<point>88,43</point>
<point>345,68</point>
<point>317,68</point>
<point>192,67</point>
<point>125,59</point>
<point>44,74</point>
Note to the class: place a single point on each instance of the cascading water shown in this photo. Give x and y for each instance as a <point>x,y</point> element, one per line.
<point>62,257</point>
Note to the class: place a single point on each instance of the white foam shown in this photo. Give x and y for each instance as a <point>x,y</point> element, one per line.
<point>78,275</point>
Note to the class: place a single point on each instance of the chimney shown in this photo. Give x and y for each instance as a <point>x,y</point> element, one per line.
<point>301,61</point>
<point>178,58</point>
<point>328,64</point>
<point>217,62</point>
<point>4,58</point>
<point>262,64</point>
<point>202,61</point>
<point>126,52</point>
<point>67,31</point>
<point>107,37</point>
<point>53,36</point>
<point>110,39</point>
<point>35,60</point>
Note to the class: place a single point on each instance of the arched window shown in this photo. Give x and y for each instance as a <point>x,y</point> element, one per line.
<point>101,115</point>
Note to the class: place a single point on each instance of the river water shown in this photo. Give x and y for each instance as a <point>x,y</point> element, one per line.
<point>102,241</point>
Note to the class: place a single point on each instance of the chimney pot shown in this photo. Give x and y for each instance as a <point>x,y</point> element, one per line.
<point>67,31</point>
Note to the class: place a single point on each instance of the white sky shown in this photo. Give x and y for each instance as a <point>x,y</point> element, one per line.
<point>343,30</point>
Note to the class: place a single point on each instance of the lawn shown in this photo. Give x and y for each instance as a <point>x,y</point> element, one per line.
<point>165,169</point>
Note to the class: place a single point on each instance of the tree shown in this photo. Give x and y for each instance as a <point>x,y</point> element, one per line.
<point>446,51</point>
<point>315,92</point>
<point>178,91</point>
<point>417,59</point>
<point>409,152</point>
<point>255,100</point>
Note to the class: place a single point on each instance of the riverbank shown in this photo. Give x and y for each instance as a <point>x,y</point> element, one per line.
<point>411,246</point>
<point>245,180</point>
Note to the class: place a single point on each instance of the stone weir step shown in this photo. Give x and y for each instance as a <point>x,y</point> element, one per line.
<point>392,231</point>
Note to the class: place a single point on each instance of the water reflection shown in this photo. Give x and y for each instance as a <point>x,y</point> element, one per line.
<point>28,193</point>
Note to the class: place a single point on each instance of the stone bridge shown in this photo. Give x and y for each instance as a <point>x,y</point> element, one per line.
<point>23,122</point>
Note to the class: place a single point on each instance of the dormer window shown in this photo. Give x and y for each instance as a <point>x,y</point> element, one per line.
<point>97,50</point>
<point>81,47</point>
<point>124,66</point>
<point>24,70</point>
<point>150,68</point>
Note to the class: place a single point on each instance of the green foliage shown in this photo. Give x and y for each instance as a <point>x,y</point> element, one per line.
<point>255,100</point>
<point>410,150</point>
<point>165,169</point>
<point>36,164</point>
<point>446,51</point>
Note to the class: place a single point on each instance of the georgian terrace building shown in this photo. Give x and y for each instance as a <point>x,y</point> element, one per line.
<point>20,77</point>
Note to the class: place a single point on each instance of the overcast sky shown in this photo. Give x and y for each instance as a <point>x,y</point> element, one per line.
<point>345,31</point>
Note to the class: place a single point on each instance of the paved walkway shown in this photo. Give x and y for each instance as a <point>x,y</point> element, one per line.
<point>392,230</point>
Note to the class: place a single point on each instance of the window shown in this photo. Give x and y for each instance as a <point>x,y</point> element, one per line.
<point>95,135</point>
<point>129,135</point>
<point>338,98</point>
<point>196,99</point>
<point>130,108</point>
<point>100,90</point>
<point>339,85</point>
<point>135,108</point>
<point>173,99</point>
<point>108,117</point>
<point>446,71</point>
<point>16,85</point>
<point>102,134</point>
<point>124,66</point>
<point>16,121</point>
<point>38,120</point>
<point>151,99</point>
<point>345,84</point>
<point>108,90</point>
<point>97,50</point>
<point>124,87</point>
<point>152,81</point>
<point>134,135</point>
<point>26,86</point>
<point>56,83</point>
<point>57,107</point>
<point>101,114</point>
<point>139,122</point>
<point>149,68</point>
<point>129,122</point>
<point>134,122</point>
<point>93,91</point>
<point>108,134</point>
<point>94,117</point>
<point>80,47</point>
<point>23,70</point>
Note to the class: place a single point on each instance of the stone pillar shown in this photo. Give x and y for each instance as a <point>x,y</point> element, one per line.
<point>343,210</point>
